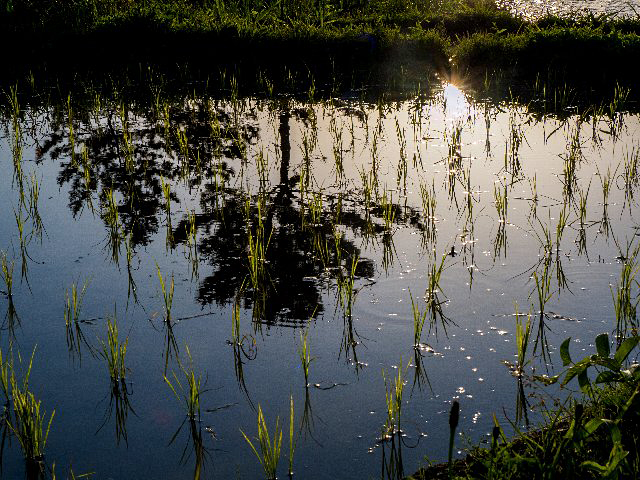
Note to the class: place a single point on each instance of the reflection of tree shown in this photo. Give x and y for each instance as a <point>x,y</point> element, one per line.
<point>178,142</point>
<point>292,289</point>
<point>127,150</point>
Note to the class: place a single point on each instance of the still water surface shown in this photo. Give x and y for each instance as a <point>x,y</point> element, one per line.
<point>340,182</point>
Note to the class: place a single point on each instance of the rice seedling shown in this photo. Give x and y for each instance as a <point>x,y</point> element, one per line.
<point>432,295</point>
<point>418,322</point>
<point>167,294</point>
<point>393,396</point>
<point>560,226</point>
<point>132,288</point>
<point>72,309</point>
<point>516,136</point>
<point>605,182</point>
<point>543,286</point>
<point>292,443</point>
<point>367,190</point>
<point>582,206</point>
<point>625,301</point>
<point>305,356</point>
<point>501,202</point>
<point>631,172</point>
<point>262,167</point>
<point>16,144</point>
<point>346,291</point>
<point>23,241</point>
<point>34,211</point>
<point>127,141</point>
<point>191,391</point>
<point>114,353</point>
<point>258,244</point>
<point>388,211</point>
<point>534,196</point>
<point>615,107</point>
<point>402,161</point>
<point>454,144</point>
<point>429,203</point>
<point>393,468</point>
<point>191,232</point>
<point>7,274</point>
<point>86,170</point>
<point>166,191</point>
<point>28,423</point>
<point>110,215</point>
<point>389,252</point>
<point>269,454</point>
<point>244,347</point>
<point>338,147</point>
<point>375,158</point>
<point>523,332</point>
<point>6,368</point>
<point>316,209</point>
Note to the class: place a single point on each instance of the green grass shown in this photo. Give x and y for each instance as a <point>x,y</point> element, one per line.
<point>474,34</point>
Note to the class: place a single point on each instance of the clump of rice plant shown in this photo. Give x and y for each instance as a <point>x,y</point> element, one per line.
<point>418,321</point>
<point>191,391</point>
<point>292,443</point>
<point>523,332</point>
<point>269,449</point>
<point>167,294</point>
<point>72,308</point>
<point>258,244</point>
<point>625,301</point>
<point>346,291</point>
<point>393,395</point>
<point>432,295</point>
<point>114,352</point>
<point>29,420</point>
<point>305,356</point>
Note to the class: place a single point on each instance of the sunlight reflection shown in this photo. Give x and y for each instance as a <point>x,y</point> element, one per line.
<point>455,103</point>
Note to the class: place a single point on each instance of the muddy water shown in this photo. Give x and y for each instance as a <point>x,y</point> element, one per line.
<point>340,183</point>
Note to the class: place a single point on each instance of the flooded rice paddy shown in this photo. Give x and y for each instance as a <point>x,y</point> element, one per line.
<point>282,248</point>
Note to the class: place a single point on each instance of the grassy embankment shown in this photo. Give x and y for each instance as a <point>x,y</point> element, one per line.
<point>460,35</point>
<point>594,434</point>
